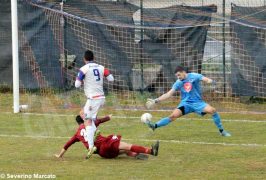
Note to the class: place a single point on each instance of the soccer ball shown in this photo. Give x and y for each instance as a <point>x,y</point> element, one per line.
<point>145,117</point>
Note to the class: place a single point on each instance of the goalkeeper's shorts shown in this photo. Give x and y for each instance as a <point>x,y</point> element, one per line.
<point>189,107</point>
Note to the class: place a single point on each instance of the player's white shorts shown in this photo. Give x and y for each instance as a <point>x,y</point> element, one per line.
<point>92,107</point>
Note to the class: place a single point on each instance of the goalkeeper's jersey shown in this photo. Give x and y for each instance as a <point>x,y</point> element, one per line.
<point>189,88</point>
<point>92,76</point>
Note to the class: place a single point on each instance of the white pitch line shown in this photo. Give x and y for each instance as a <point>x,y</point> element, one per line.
<point>200,119</point>
<point>135,117</point>
<point>202,143</point>
<point>145,140</point>
<point>29,136</point>
<point>171,110</point>
<point>42,114</point>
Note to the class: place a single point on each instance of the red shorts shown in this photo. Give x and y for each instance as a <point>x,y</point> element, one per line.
<point>109,147</point>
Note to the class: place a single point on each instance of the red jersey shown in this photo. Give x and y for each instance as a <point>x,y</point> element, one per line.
<point>107,147</point>
<point>80,135</point>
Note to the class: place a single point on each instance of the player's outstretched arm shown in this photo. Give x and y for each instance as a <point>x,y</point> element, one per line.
<point>208,80</point>
<point>151,102</point>
<point>71,141</point>
<point>99,121</point>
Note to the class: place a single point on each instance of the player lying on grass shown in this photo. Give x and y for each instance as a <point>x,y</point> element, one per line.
<point>191,100</point>
<point>110,146</point>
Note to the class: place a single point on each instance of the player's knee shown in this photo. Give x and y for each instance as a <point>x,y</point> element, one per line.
<point>212,110</point>
<point>209,110</point>
<point>173,117</point>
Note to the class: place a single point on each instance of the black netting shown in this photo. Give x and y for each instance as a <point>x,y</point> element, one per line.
<point>248,50</point>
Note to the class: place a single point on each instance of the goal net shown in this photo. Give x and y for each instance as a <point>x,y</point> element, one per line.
<point>141,44</point>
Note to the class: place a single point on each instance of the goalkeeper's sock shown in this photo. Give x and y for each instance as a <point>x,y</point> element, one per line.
<point>140,149</point>
<point>217,121</point>
<point>163,122</point>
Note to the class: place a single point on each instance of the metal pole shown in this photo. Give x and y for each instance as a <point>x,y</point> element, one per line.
<point>14,18</point>
<point>141,45</point>
<point>62,50</point>
<point>224,75</point>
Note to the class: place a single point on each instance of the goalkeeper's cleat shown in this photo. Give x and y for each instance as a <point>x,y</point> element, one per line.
<point>151,125</point>
<point>155,149</point>
<point>225,133</point>
<point>90,152</point>
<point>142,156</point>
<point>96,134</point>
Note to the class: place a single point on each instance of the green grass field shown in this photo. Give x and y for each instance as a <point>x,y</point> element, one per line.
<point>190,148</point>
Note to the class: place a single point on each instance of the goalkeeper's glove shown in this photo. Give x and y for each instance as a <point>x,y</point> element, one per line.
<point>213,83</point>
<point>151,102</point>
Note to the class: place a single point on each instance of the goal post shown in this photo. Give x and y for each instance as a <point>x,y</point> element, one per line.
<point>15,55</point>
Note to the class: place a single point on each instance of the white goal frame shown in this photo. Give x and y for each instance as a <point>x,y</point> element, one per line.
<point>15,57</point>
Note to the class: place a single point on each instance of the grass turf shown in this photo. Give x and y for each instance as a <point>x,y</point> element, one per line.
<point>191,148</point>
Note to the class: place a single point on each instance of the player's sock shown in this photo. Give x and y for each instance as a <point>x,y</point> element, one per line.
<point>140,149</point>
<point>101,120</point>
<point>90,130</point>
<point>163,122</point>
<point>217,121</point>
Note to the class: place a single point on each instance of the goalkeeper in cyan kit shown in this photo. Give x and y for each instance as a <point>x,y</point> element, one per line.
<point>191,100</point>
